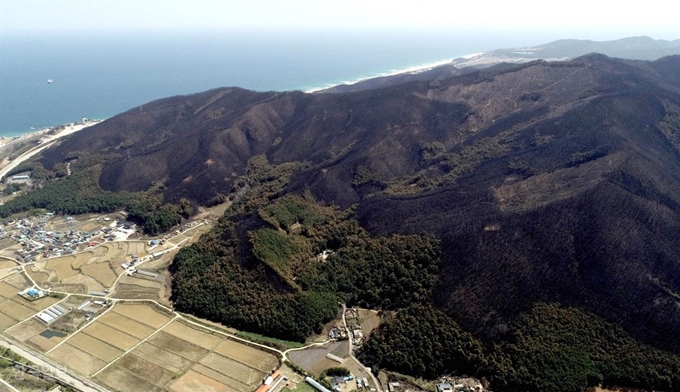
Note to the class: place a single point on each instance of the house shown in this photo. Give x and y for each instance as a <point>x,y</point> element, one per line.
<point>444,387</point>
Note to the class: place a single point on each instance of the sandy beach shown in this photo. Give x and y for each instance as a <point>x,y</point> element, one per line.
<point>45,138</point>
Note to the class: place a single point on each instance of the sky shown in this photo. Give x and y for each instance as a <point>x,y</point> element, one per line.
<point>583,19</point>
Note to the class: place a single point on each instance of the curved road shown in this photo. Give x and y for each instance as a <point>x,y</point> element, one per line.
<point>33,151</point>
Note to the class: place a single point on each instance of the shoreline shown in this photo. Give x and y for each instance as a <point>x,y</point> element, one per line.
<point>57,130</point>
<point>411,70</point>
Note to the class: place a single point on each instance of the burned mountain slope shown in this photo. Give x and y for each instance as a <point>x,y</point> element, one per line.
<point>555,182</point>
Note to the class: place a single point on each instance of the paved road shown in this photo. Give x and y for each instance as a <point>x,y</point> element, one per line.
<point>351,354</point>
<point>54,369</point>
<point>32,152</point>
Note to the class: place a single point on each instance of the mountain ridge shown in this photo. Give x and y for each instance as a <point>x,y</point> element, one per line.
<point>546,181</point>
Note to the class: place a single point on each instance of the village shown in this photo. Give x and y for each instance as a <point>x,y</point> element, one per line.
<point>72,271</point>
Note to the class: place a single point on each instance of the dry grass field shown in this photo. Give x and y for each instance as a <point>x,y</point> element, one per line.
<point>38,304</point>
<point>101,272</point>
<point>7,290</point>
<point>180,350</point>
<point>153,374</point>
<point>16,309</point>
<point>18,281</point>
<point>122,380</point>
<point>144,314</point>
<point>127,325</point>
<point>178,346</point>
<point>192,381</point>
<point>61,266</point>
<point>79,284</point>
<point>42,343</point>
<point>7,272</point>
<point>7,263</point>
<point>80,259</point>
<point>26,330</point>
<point>133,287</point>
<point>247,355</point>
<point>112,336</point>
<point>95,269</point>
<point>232,369</point>
<point>6,321</point>
<point>168,360</point>
<point>231,384</point>
<point>78,360</point>
<point>95,347</point>
<point>193,335</point>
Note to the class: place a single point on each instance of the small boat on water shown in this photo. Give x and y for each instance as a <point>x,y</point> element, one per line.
<point>49,81</point>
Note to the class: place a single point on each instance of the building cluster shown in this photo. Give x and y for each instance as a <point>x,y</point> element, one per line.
<point>32,293</point>
<point>398,386</point>
<point>356,333</point>
<point>37,242</point>
<point>458,384</point>
<point>340,382</point>
<point>272,382</point>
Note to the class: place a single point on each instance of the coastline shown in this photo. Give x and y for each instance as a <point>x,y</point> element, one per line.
<point>57,131</point>
<point>43,139</point>
<point>410,70</point>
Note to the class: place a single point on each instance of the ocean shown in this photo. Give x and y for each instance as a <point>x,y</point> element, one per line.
<point>101,74</point>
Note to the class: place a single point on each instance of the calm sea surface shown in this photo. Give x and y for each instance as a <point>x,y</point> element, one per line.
<point>100,75</point>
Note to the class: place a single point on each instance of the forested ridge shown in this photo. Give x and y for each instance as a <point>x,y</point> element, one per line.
<point>259,271</point>
<point>81,194</point>
<point>534,209</point>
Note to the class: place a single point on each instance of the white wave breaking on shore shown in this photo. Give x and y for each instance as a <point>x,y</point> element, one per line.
<point>408,70</point>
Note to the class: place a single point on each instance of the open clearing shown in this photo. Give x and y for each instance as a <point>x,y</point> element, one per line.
<point>27,329</point>
<point>168,360</point>
<point>125,324</point>
<point>7,263</point>
<point>95,347</point>
<point>178,346</point>
<point>7,290</point>
<point>78,360</point>
<point>314,359</point>
<point>110,335</point>
<point>91,270</point>
<point>153,374</point>
<point>193,335</point>
<point>231,384</point>
<point>15,309</point>
<point>369,320</point>
<point>101,272</point>
<point>18,281</point>
<point>144,314</point>
<point>247,355</point>
<point>123,380</point>
<point>193,381</point>
<point>235,370</point>
<point>42,343</point>
<point>177,357</point>
<point>137,287</point>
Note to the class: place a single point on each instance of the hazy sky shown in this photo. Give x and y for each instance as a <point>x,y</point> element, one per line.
<point>592,19</point>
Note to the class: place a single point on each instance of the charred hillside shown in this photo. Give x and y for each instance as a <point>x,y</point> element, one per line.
<point>546,182</point>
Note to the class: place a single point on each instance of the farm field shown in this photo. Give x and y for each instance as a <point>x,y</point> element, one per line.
<point>368,320</point>
<point>314,359</point>
<point>92,270</point>
<point>183,357</point>
<point>137,287</point>
<point>7,263</point>
<point>15,309</point>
